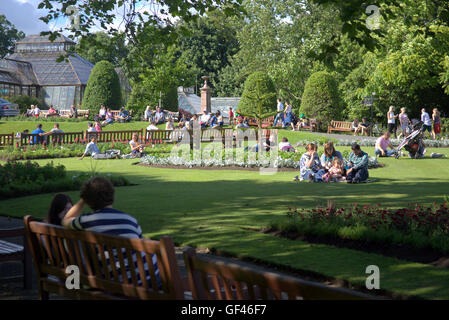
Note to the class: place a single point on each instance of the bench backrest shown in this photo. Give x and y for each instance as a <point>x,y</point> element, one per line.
<point>341,124</point>
<point>215,279</point>
<point>54,248</point>
<point>156,136</point>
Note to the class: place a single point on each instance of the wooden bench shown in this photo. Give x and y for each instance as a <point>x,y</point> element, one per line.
<point>343,126</point>
<point>252,122</point>
<point>159,136</point>
<point>68,113</point>
<point>14,252</point>
<point>217,279</point>
<point>312,126</point>
<point>97,256</point>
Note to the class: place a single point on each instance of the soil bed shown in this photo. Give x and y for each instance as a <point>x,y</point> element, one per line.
<point>214,168</point>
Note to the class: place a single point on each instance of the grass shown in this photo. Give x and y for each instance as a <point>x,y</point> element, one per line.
<point>212,208</point>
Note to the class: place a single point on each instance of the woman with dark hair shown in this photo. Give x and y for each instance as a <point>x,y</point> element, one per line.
<point>329,155</point>
<point>60,205</point>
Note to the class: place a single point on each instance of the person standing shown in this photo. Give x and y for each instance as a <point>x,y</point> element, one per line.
<point>287,114</point>
<point>404,121</point>
<point>280,115</point>
<point>436,123</point>
<point>231,116</point>
<point>391,120</point>
<point>425,118</point>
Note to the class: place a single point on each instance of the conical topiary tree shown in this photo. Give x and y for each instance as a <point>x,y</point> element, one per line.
<point>103,88</point>
<point>258,98</point>
<point>321,99</point>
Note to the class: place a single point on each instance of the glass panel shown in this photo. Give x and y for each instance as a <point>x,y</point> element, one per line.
<point>62,98</point>
<point>70,97</point>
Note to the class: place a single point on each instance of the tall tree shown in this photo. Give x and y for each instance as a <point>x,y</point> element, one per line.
<point>8,36</point>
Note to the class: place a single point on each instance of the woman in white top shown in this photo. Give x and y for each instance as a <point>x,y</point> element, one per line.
<point>136,146</point>
<point>148,113</point>
<point>103,113</point>
<point>36,111</point>
<point>391,120</point>
<point>169,124</point>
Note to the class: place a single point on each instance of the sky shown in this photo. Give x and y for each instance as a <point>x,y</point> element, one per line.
<point>24,14</point>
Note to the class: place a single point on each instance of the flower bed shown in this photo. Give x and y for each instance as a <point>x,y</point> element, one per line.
<point>19,179</point>
<point>416,226</point>
<point>69,150</point>
<point>284,160</point>
<point>443,143</point>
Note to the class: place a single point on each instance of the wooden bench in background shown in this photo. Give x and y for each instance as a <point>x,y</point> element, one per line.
<point>342,126</point>
<point>312,126</point>
<point>81,113</point>
<point>213,279</point>
<point>55,248</point>
<point>252,122</point>
<point>13,252</point>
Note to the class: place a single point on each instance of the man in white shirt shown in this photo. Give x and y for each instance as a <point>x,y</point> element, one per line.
<point>280,115</point>
<point>94,152</point>
<point>427,122</point>
<point>159,116</point>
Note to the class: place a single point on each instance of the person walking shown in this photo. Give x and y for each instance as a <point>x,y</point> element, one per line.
<point>392,121</point>
<point>436,117</point>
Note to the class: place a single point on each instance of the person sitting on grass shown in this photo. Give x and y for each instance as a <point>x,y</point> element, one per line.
<point>220,120</point>
<point>357,168</point>
<point>60,205</point>
<point>169,124</point>
<point>52,112</point>
<point>310,165</point>
<point>336,172</point>
<point>286,146</point>
<point>90,127</point>
<point>212,122</point>
<point>159,116</point>
<point>94,152</point>
<point>148,114</point>
<point>123,116</point>
<point>329,155</point>
<point>97,126</point>
<point>98,194</point>
<point>204,119</point>
<point>109,118</point>
<point>152,126</point>
<point>382,145</point>
<point>136,146</point>
<point>241,124</point>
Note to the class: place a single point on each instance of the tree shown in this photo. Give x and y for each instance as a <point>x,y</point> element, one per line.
<point>259,97</point>
<point>103,88</point>
<point>24,102</point>
<point>8,36</point>
<point>207,45</point>
<point>168,72</point>
<point>101,46</point>
<point>321,98</point>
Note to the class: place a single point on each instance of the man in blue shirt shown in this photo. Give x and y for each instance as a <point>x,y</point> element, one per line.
<point>123,116</point>
<point>358,165</point>
<point>38,139</point>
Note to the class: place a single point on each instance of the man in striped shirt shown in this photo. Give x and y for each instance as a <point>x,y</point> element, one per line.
<point>98,194</point>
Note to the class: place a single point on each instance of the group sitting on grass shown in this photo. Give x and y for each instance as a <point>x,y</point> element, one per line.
<point>332,167</point>
<point>98,194</point>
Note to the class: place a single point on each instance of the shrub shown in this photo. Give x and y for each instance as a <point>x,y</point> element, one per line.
<point>24,102</point>
<point>18,179</point>
<point>258,81</point>
<point>103,88</point>
<point>321,99</point>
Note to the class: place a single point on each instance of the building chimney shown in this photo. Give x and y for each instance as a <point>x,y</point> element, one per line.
<point>205,96</point>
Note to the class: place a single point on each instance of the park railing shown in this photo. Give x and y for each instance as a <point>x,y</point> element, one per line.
<point>112,136</point>
<point>6,139</point>
<point>54,138</point>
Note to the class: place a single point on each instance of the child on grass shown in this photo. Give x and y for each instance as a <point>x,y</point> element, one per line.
<point>335,173</point>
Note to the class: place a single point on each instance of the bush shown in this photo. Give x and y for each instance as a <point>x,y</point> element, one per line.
<point>103,88</point>
<point>321,99</point>
<point>24,102</point>
<point>248,102</point>
<point>18,179</point>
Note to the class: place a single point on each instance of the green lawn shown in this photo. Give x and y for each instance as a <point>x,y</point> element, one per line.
<point>211,208</point>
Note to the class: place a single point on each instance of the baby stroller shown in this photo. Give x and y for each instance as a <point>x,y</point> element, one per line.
<point>413,143</point>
